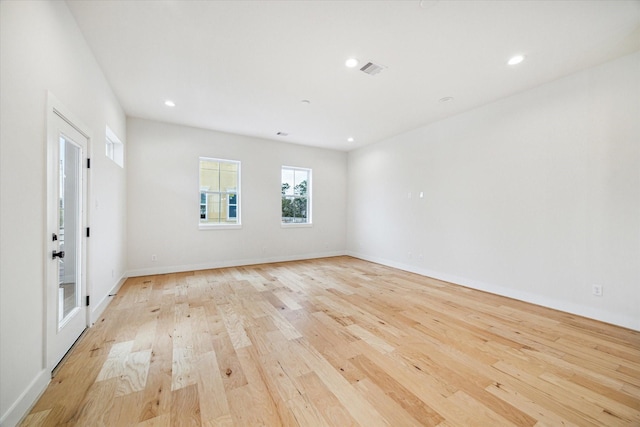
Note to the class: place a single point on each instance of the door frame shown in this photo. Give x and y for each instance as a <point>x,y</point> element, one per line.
<point>55,111</point>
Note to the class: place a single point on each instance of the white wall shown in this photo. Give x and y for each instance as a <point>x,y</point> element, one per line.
<point>42,50</point>
<point>163,200</point>
<point>536,196</point>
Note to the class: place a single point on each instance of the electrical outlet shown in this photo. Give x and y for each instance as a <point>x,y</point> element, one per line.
<point>597,290</point>
<point>154,257</point>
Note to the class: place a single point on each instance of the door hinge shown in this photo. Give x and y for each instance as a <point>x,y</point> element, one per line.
<point>88,232</point>
<point>87,300</point>
<point>88,163</point>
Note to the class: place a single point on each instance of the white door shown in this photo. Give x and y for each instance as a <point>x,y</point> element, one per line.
<point>66,221</point>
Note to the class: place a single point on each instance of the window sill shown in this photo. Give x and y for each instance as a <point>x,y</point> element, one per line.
<point>296,225</point>
<point>219,226</point>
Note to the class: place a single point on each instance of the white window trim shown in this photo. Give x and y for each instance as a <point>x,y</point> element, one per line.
<point>309,222</point>
<point>238,224</point>
<point>296,224</point>
<point>219,226</point>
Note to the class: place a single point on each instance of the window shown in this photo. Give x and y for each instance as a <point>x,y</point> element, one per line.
<point>219,193</point>
<point>114,148</point>
<point>296,195</point>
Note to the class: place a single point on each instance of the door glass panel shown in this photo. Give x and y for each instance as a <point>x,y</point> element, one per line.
<point>69,229</point>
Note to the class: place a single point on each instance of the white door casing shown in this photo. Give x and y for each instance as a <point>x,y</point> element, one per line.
<point>65,293</point>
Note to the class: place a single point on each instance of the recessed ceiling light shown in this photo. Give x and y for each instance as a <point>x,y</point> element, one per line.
<point>446,99</point>
<point>351,62</point>
<point>282,134</point>
<point>515,60</point>
<point>169,103</point>
<point>306,102</point>
<point>350,139</point>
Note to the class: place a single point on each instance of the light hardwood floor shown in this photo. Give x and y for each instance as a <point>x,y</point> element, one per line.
<point>338,342</point>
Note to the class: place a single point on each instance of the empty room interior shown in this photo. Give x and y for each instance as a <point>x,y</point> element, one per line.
<point>320,213</point>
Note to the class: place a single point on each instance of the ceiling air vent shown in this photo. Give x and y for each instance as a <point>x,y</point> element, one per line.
<point>372,69</point>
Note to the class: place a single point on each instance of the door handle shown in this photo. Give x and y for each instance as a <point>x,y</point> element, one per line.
<point>59,254</point>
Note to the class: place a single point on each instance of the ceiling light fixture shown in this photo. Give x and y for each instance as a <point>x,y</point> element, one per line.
<point>169,103</point>
<point>351,63</point>
<point>446,99</point>
<point>350,139</point>
<point>306,102</point>
<point>515,60</point>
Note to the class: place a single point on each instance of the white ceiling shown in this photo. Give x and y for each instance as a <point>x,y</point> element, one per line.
<point>245,66</point>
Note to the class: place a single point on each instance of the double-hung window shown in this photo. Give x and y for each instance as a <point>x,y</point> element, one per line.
<point>219,193</point>
<point>296,195</point>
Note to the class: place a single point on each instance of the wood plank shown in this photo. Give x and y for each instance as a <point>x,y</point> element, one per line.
<point>374,341</point>
<point>543,415</point>
<point>388,408</point>
<point>134,373</point>
<point>338,342</point>
<point>405,398</point>
<point>36,419</point>
<point>161,421</point>
<point>235,327</point>
<point>185,407</point>
<point>363,412</point>
<point>215,407</point>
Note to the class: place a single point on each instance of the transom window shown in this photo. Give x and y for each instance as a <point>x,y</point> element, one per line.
<point>114,148</point>
<point>296,195</point>
<point>219,192</point>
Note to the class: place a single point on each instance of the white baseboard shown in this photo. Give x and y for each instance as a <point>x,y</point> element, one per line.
<point>565,306</point>
<point>232,263</point>
<point>26,400</point>
<point>99,308</point>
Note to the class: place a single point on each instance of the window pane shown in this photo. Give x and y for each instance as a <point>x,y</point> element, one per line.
<point>109,149</point>
<point>294,209</point>
<point>229,167</point>
<point>219,191</point>
<point>203,206</point>
<point>300,209</point>
<point>213,209</point>
<point>301,182</point>
<point>287,209</point>
<point>287,182</point>
<point>210,175</point>
<point>224,208</point>
<point>228,180</point>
